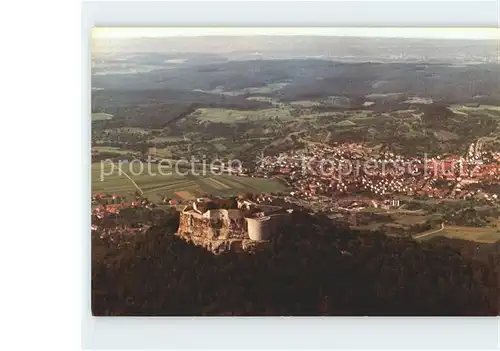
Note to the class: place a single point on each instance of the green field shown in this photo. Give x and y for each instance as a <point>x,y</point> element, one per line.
<point>134,130</point>
<point>490,110</point>
<point>155,186</point>
<point>444,135</point>
<point>165,152</point>
<point>305,103</point>
<point>114,150</point>
<point>409,220</point>
<point>479,108</point>
<point>488,234</point>
<point>221,115</point>
<point>101,116</point>
<point>162,139</point>
<point>482,234</point>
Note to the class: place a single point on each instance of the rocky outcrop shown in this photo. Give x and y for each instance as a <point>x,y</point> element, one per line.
<point>219,245</point>
<point>217,231</point>
<point>241,227</point>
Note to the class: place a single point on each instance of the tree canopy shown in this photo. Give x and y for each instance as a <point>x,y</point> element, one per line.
<point>312,267</point>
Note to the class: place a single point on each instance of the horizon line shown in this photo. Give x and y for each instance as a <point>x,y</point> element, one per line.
<point>476,33</point>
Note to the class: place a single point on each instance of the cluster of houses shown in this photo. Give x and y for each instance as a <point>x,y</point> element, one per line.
<point>106,221</point>
<point>347,168</point>
<point>105,204</point>
<point>317,173</point>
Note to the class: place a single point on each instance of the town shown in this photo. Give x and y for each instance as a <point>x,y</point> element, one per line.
<point>322,178</point>
<point>447,176</point>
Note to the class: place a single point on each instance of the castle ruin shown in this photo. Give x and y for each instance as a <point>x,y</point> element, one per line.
<point>219,225</point>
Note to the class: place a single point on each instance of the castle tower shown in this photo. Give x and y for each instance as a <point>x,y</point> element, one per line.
<point>260,229</point>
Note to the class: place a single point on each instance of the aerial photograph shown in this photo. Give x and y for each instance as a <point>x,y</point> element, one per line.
<point>295,172</point>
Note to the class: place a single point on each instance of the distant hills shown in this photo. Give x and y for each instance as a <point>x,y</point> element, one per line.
<point>345,48</point>
<point>308,79</point>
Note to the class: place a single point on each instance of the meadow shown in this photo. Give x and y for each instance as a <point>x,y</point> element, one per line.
<point>486,234</point>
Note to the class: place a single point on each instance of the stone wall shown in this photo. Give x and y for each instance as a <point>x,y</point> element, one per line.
<point>217,231</point>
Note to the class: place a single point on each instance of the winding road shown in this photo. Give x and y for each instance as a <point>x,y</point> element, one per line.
<point>429,233</point>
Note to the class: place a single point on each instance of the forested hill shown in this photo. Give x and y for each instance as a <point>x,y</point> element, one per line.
<point>302,78</point>
<point>313,268</point>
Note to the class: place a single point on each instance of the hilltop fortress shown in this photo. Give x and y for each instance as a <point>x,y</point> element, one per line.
<point>219,224</point>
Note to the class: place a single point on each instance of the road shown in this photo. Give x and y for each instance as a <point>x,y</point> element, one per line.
<point>302,140</point>
<point>480,142</point>
<point>430,233</point>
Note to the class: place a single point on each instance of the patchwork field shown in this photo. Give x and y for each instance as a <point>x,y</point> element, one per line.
<point>211,182</point>
<point>283,113</point>
<point>156,185</point>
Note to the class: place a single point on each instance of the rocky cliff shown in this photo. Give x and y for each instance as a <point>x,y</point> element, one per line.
<point>216,235</point>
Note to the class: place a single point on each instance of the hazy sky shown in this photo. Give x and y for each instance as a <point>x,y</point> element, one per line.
<point>445,33</point>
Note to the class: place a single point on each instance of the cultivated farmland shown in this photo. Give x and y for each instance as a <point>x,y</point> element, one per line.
<point>156,186</point>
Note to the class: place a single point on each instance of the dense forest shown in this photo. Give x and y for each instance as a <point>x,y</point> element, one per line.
<point>159,108</point>
<point>313,267</point>
<point>317,78</point>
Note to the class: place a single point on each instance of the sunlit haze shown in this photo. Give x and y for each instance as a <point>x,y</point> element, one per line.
<point>444,33</point>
